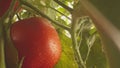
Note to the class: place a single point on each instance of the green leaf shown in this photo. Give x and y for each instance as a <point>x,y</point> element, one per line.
<point>105,19</point>
<point>67,59</point>
<point>97,58</point>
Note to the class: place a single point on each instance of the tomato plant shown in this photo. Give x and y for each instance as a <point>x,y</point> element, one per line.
<point>37,41</point>
<point>27,38</point>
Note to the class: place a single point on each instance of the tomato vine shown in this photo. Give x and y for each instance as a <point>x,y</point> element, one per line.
<point>75,29</point>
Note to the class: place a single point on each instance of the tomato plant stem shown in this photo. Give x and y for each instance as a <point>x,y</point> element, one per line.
<point>3,36</point>
<point>20,63</point>
<point>64,6</point>
<point>59,12</point>
<point>48,6</point>
<point>18,16</point>
<point>42,14</point>
<point>2,55</point>
<point>2,43</point>
<point>79,60</point>
<point>9,10</point>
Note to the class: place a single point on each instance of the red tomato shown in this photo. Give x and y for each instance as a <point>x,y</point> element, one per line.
<point>4,5</point>
<point>36,40</point>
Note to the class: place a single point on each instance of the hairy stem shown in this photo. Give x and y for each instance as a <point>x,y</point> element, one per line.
<point>42,14</point>
<point>2,51</point>
<point>64,6</point>
<point>18,16</point>
<point>20,63</point>
<point>8,11</point>
<point>76,46</point>
<point>60,13</point>
<point>56,11</point>
<point>90,44</point>
<point>3,34</point>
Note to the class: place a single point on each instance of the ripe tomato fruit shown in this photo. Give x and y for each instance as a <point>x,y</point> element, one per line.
<point>36,40</point>
<point>4,5</point>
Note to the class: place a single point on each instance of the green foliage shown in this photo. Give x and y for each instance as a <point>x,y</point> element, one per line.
<point>97,57</point>
<point>106,13</point>
<point>89,44</point>
<point>67,59</point>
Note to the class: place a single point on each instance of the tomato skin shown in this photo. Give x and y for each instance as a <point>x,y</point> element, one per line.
<point>36,40</point>
<point>4,5</point>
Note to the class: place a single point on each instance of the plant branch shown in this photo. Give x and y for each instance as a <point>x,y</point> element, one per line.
<point>9,11</point>
<point>3,34</point>
<point>76,49</point>
<point>88,53</point>
<point>21,62</point>
<point>56,10</point>
<point>76,46</point>
<point>64,6</point>
<point>90,44</point>
<point>42,14</point>
<point>2,53</point>
<point>18,16</point>
<point>11,17</point>
<point>80,40</point>
<point>2,44</point>
<point>60,12</point>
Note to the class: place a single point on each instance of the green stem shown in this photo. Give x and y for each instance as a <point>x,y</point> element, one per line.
<point>18,16</point>
<point>60,12</point>
<point>2,53</point>
<point>76,46</point>
<point>77,52</point>
<point>64,6</point>
<point>2,44</point>
<point>42,14</point>
<point>9,11</point>
<point>90,44</point>
<point>88,53</point>
<point>56,10</point>
<point>3,34</point>
<point>20,63</point>
<point>80,39</point>
<point>3,39</point>
<point>10,19</point>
